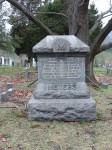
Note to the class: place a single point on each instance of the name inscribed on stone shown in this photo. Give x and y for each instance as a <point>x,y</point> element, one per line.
<point>62,87</point>
<point>61,68</point>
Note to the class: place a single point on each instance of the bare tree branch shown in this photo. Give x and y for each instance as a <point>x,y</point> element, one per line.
<point>54,13</point>
<point>83,3</point>
<point>104,47</point>
<point>100,38</point>
<point>102,15</point>
<point>30,16</point>
<point>107,16</point>
<point>94,27</point>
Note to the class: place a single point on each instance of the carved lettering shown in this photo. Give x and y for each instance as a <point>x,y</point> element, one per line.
<point>61,87</point>
<point>61,68</point>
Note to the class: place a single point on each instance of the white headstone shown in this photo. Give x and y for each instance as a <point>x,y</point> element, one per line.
<point>2,60</point>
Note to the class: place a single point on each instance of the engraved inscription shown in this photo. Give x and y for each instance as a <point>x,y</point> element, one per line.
<point>61,68</point>
<point>62,87</point>
<point>61,45</point>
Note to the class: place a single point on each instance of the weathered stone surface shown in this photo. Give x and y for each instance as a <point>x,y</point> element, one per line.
<point>61,91</point>
<point>9,86</point>
<point>61,109</point>
<point>4,97</point>
<point>48,44</point>
<point>105,85</point>
<point>9,92</point>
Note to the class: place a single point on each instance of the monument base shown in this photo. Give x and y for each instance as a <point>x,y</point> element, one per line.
<point>61,109</point>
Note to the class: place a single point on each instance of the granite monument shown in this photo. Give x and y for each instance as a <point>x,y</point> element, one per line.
<point>61,93</point>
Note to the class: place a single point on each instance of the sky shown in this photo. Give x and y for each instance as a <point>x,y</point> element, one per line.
<point>7,8</point>
<point>102,6</point>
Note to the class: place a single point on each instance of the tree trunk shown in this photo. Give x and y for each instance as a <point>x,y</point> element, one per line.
<point>77,11</point>
<point>89,71</point>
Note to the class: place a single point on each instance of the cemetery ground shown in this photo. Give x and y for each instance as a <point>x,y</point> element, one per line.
<point>18,133</point>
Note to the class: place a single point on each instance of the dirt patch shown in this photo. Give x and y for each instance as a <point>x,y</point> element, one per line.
<point>103,78</point>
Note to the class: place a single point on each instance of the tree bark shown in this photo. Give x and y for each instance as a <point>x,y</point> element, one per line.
<point>89,71</point>
<point>77,11</point>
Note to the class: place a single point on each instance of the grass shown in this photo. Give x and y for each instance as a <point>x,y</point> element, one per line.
<point>8,71</point>
<point>18,133</point>
<point>54,135</point>
<point>11,71</point>
<point>100,70</point>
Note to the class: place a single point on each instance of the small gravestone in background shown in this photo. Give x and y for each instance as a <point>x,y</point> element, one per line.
<point>9,86</point>
<point>61,92</point>
<point>109,70</point>
<point>4,97</point>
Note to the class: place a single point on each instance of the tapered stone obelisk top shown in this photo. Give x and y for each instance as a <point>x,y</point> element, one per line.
<point>62,43</point>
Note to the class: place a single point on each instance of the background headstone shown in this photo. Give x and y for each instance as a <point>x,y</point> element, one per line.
<point>4,97</point>
<point>9,86</point>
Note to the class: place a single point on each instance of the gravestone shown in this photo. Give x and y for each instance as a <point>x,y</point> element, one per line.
<point>4,97</point>
<point>61,92</point>
<point>9,86</point>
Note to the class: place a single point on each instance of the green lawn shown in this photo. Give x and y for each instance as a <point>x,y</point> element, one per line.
<point>11,71</point>
<point>100,70</point>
